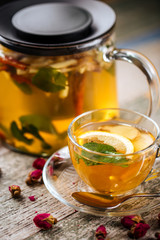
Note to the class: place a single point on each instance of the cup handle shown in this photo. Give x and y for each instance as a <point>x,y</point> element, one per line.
<point>145,66</point>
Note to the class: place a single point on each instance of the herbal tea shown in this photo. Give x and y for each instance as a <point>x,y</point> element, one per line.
<point>112,167</point>
<point>39,96</point>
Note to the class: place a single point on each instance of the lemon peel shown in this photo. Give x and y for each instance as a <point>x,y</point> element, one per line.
<point>142,141</point>
<point>120,143</point>
<point>125,131</point>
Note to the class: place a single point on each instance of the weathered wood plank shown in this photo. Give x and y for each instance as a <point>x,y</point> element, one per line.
<point>81,226</point>
<point>17,214</point>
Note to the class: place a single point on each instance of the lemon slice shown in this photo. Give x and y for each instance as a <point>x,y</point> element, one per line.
<point>143,141</point>
<point>120,143</point>
<point>125,131</point>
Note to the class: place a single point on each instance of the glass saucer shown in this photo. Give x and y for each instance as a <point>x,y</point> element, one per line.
<point>61,179</point>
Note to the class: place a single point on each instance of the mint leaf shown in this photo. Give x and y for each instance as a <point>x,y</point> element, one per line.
<point>77,157</point>
<point>87,162</point>
<point>100,148</point>
<point>34,123</point>
<point>49,80</point>
<point>19,134</point>
<point>41,122</point>
<point>46,145</point>
<point>24,87</point>
<point>59,78</point>
<point>34,131</point>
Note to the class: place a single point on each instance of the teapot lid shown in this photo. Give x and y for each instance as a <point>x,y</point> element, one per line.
<point>55,27</point>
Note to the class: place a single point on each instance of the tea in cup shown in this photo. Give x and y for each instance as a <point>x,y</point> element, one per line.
<point>113,150</point>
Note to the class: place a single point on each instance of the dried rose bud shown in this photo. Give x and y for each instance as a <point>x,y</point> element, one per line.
<point>101,232</point>
<point>39,163</point>
<point>34,177</point>
<point>15,190</point>
<point>32,198</point>
<point>44,221</point>
<point>57,160</point>
<point>36,174</point>
<point>157,235</point>
<point>129,221</point>
<point>138,230</point>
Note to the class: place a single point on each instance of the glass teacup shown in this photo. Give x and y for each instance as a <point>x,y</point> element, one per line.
<point>113,150</point>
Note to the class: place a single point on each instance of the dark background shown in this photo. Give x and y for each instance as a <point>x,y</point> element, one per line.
<point>137,20</point>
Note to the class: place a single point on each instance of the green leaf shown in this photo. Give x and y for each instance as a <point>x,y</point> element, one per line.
<point>34,123</point>
<point>77,157</point>
<point>46,145</point>
<point>59,78</point>
<point>100,148</point>
<point>24,87</point>
<point>87,162</point>
<point>49,80</point>
<point>90,163</point>
<point>42,123</point>
<point>34,131</point>
<point>19,134</point>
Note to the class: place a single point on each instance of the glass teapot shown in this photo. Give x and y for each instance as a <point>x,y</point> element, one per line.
<point>57,60</point>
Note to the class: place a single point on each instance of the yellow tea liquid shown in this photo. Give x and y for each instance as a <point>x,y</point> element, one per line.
<point>114,174</point>
<point>39,96</point>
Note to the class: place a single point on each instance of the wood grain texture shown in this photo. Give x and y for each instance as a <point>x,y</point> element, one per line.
<point>17,214</point>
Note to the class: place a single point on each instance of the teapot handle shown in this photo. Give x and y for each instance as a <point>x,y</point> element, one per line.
<point>145,66</point>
